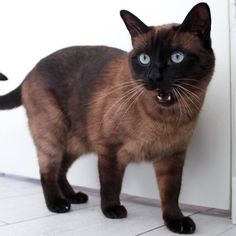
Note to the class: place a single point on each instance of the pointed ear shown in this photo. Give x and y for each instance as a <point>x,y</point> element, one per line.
<point>198,21</point>
<point>134,25</point>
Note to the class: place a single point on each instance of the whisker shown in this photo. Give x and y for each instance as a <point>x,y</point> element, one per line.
<point>192,94</point>
<point>128,96</point>
<point>178,101</point>
<point>193,86</point>
<point>136,97</point>
<point>185,102</point>
<point>115,89</point>
<point>120,86</point>
<point>121,100</point>
<point>187,79</point>
<point>182,101</point>
<point>189,98</point>
<point>193,99</point>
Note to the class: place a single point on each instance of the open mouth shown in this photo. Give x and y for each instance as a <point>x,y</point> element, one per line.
<point>165,97</point>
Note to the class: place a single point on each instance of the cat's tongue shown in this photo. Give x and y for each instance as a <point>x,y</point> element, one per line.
<point>165,97</point>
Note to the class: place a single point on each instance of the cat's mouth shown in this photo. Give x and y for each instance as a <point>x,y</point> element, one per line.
<point>165,97</point>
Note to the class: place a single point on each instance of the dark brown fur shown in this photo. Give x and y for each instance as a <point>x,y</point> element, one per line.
<point>78,101</point>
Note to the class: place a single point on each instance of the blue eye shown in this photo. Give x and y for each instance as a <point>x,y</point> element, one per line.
<point>144,59</point>
<point>177,57</point>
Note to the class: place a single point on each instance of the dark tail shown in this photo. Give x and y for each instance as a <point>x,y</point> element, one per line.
<point>11,100</point>
<point>2,77</point>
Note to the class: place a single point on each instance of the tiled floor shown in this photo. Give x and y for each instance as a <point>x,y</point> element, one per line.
<point>23,213</point>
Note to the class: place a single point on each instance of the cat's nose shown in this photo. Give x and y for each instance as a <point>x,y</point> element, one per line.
<point>155,76</point>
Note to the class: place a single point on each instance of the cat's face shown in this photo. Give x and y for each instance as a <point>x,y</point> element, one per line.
<point>172,60</point>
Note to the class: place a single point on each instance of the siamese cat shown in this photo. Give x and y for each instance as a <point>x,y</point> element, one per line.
<point>126,107</point>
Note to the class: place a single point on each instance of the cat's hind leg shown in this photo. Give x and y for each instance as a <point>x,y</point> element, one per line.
<point>66,188</point>
<point>55,200</point>
<point>50,153</point>
<point>49,129</point>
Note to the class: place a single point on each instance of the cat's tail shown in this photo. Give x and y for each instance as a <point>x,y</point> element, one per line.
<point>2,77</point>
<point>11,100</point>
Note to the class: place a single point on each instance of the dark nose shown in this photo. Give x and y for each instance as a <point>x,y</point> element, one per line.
<point>155,75</point>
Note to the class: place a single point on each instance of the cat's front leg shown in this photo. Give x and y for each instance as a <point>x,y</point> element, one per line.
<point>169,175</point>
<point>111,174</point>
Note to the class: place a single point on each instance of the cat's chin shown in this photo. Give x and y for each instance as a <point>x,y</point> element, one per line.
<point>165,98</point>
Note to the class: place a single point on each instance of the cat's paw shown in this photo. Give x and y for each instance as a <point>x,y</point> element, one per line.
<point>184,225</point>
<point>115,212</point>
<point>58,205</point>
<point>78,198</point>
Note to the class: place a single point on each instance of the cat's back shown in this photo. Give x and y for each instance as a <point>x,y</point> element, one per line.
<point>71,73</point>
<point>69,61</point>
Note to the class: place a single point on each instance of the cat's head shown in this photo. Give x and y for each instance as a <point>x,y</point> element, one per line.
<point>173,60</point>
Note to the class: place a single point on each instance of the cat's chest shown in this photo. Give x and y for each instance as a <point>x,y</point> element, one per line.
<point>155,141</point>
<point>139,135</point>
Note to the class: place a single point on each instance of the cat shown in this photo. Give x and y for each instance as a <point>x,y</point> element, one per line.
<point>125,107</point>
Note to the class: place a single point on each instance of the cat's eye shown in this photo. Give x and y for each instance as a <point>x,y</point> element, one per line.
<point>144,59</point>
<point>177,57</point>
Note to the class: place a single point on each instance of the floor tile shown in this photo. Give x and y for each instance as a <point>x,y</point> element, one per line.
<point>32,206</point>
<point>23,213</point>
<point>11,189</point>
<point>89,221</point>
<point>230,232</point>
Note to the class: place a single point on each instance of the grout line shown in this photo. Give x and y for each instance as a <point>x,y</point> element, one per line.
<point>222,233</point>
<point>18,177</point>
<point>148,231</point>
<point>24,221</point>
<point>1,221</point>
<point>41,217</point>
<point>20,195</point>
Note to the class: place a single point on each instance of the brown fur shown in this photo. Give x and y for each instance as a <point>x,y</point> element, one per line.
<point>87,99</point>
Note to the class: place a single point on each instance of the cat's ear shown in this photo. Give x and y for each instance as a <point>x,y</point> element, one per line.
<point>198,21</point>
<point>134,25</point>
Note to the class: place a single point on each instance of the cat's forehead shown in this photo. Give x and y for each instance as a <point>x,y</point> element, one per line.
<point>165,27</point>
<point>168,35</point>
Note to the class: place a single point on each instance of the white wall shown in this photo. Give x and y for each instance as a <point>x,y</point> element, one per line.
<point>31,29</point>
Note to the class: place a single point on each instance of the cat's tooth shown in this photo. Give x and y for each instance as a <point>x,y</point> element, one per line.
<point>159,97</point>
<point>169,98</point>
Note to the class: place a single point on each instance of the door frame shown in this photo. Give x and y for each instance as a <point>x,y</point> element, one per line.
<point>232,30</point>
